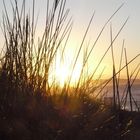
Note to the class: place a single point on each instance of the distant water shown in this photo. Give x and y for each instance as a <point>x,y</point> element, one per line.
<point>135,90</point>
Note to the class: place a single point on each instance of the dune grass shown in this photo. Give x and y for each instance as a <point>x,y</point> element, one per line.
<point>31,107</point>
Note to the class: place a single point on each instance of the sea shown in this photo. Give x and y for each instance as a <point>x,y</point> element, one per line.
<point>124,95</point>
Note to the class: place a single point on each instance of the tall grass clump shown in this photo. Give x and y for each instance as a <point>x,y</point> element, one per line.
<point>32,106</point>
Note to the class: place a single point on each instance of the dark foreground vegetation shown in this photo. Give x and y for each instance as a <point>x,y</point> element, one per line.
<point>64,117</point>
<point>32,108</point>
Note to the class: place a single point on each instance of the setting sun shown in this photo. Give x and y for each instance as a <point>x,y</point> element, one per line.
<point>62,71</point>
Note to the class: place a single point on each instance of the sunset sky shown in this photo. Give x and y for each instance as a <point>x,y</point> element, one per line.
<point>81,12</point>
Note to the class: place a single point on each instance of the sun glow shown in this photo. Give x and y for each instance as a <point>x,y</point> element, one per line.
<point>62,71</point>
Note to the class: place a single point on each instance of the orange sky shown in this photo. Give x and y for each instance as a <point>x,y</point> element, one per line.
<point>81,12</point>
